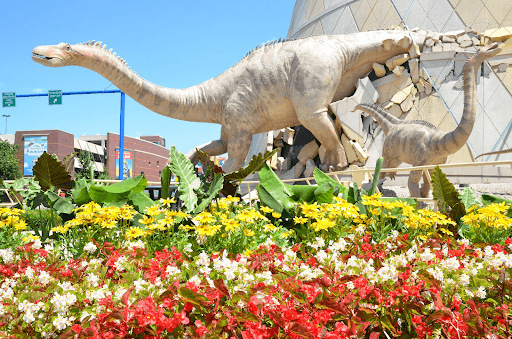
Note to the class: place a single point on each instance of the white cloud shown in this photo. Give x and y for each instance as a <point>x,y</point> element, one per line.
<point>38,90</point>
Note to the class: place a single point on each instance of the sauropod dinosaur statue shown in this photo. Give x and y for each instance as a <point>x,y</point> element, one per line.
<point>280,84</point>
<point>419,143</point>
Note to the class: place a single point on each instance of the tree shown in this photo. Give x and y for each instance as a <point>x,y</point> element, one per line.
<point>9,169</point>
<point>85,160</point>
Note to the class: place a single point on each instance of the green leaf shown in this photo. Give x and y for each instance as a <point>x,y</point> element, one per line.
<point>59,204</point>
<point>193,297</point>
<point>141,201</point>
<point>267,200</point>
<point>212,193</point>
<point>378,167</point>
<point>257,163</point>
<point>324,193</point>
<point>303,193</point>
<point>134,184</point>
<point>165,181</point>
<point>188,180</point>
<point>50,172</point>
<point>446,195</point>
<point>245,316</point>
<point>80,192</point>
<point>322,178</point>
<point>468,197</point>
<point>276,188</point>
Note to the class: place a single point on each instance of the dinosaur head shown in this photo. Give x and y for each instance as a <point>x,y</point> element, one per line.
<point>55,55</point>
<point>487,52</point>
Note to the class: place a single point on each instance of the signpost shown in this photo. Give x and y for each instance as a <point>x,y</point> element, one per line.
<point>9,99</point>
<point>55,97</point>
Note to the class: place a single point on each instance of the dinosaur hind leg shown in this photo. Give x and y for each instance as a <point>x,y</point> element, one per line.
<point>413,183</point>
<point>425,188</point>
<point>322,127</point>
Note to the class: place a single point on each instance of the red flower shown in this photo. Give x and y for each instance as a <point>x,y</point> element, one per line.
<point>76,328</point>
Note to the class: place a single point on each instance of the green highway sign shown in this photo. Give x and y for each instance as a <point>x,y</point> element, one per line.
<point>55,97</point>
<point>9,99</point>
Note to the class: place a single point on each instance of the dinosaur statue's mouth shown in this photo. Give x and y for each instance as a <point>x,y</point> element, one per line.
<point>41,57</point>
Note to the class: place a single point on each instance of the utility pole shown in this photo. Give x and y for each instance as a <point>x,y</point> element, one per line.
<point>6,116</point>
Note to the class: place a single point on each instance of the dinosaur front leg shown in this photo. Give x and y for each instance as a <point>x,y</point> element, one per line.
<point>322,127</point>
<point>238,147</point>
<point>216,147</point>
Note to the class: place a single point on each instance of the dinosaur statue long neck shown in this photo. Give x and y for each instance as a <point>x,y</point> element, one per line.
<point>453,141</point>
<point>384,119</point>
<point>189,104</point>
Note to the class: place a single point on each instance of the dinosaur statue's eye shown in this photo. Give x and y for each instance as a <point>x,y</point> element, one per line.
<point>68,47</point>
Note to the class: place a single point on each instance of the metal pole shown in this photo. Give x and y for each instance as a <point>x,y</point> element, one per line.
<point>6,116</point>
<point>121,139</point>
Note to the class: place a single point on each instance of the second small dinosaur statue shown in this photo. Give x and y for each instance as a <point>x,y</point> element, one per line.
<point>419,143</point>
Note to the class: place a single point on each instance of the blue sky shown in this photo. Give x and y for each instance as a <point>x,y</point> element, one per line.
<point>171,43</point>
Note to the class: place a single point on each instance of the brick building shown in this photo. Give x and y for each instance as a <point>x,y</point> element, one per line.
<point>146,154</point>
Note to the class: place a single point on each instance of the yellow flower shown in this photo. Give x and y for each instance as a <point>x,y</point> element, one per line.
<point>127,212</point>
<point>247,253</point>
<point>248,233</point>
<point>300,220</point>
<point>445,231</point>
<point>207,230</point>
<point>153,210</point>
<point>30,238</point>
<point>276,215</point>
<point>147,220</point>
<point>309,210</point>
<point>266,209</point>
<point>20,225</point>
<point>231,225</point>
<point>269,228</point>
<point>204,217</point>
<point>133,232</point>
<point>249,215</point>
<point>108,223</point>
<point>60,229</point>
<point>323,224</point>
<point>168,202</point>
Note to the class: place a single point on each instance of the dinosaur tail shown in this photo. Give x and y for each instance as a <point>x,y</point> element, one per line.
<point>384,119</point>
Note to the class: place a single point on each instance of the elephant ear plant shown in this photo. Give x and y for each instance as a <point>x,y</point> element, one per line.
<point>196,192</point>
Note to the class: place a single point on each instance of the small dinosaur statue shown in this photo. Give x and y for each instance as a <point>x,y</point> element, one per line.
<point>419,143</point>
<point>280,84</point>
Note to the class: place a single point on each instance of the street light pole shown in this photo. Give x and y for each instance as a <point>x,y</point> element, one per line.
<point>6,116</point>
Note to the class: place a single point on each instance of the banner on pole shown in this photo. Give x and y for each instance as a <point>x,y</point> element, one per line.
<point>33,147</point>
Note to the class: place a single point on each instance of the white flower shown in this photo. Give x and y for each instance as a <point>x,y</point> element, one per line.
<point>44,277</point>
<point>204,259</point>
<point>66,286</point>
<point>61,322</point>
<point>7,255</point>
<point>187,248</point>
<point>93,279</point>
<point>172,270</point>
<point>427,255</point>
<point>480,292</point>
<point>29,272</point>
<point>318,243</point>
<point>90,247</point>
<point>94,262</point>
<point>28,317</point>
<point>464,279</point>
<point>350,285</point>
<point>61,303</point>
<point>139,284</point>
<point>118,265</point>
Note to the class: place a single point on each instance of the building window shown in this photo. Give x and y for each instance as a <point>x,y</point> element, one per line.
<point>160,174</point>
<point>141,172</point>
<point>157,163</point>
<point>150,163</point>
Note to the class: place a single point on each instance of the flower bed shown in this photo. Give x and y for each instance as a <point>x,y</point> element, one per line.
<point>237,272</point>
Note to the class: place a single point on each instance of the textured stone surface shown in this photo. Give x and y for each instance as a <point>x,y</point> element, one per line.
<point>309,151</point>
<point>379,69</point>
<point>310,167</point>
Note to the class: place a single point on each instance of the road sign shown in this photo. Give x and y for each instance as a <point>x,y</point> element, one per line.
<point>9,99</point>
<point>55,97</point>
